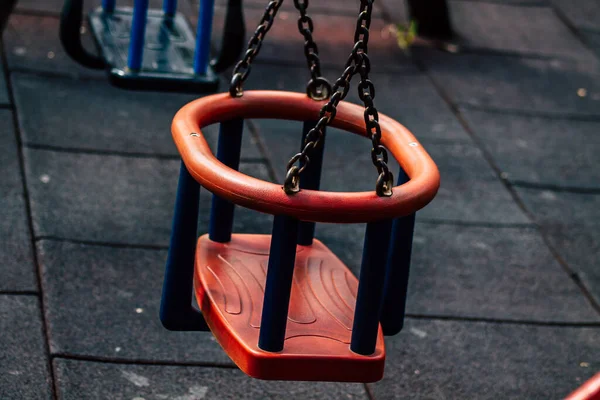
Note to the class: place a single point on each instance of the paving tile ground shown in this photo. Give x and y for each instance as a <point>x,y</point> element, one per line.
<point>509,361</point>
<point>101,381</point>
<point>514,84</point>
<point>16,256</point>
<point>572,221</point>
<point>31,43</point>
<point>24,368</point>
<point>541,151</point>
<point>114,199</point>
<point>504,289</point>
<point>113,121</point>
<point>3,88</point>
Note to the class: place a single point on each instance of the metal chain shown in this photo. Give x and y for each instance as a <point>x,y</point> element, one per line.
<point>358,63</point>
<point>243,67</point>
<point>318,88</point>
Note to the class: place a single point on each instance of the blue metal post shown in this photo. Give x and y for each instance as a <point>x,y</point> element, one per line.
<point>202,52</point>
<point>280,272</point>
<point>138,31</point>
<point>397,271</point>
<point>108,5</point>
<point>228,152</point>
<point>370,287</point>
<point>311,179</point>
<point>176,310</point>
<point>170,7</point>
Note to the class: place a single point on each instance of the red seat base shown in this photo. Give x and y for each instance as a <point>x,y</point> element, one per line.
<point>229,282</point>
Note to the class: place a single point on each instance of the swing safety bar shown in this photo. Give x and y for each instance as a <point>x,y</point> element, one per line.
<point>306,205</point>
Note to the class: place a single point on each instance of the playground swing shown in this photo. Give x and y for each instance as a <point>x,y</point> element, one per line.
<point>148,49</point>
<point>283,306</point>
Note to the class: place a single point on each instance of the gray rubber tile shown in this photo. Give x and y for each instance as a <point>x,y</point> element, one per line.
<point>10,174</point>
<point>469,190</point>
<point>477,272</point>
<point>17,267</point>
<point>334,35</point>
<point>32,43</point>
<point>115,199</point>
<point>581,13</point>
<point>113,120</point>
<point>516,84</point>
<point>4,99</point>
<point>572,221</point>
<point>557,152</point>
<point>23,370</point>
<point>16,258</point>
<point>470,360</point>
<point>593,39</point>
<point>504,27</point>
<point>88,380</point>
<point>104,302</point>
<point>498,273</point>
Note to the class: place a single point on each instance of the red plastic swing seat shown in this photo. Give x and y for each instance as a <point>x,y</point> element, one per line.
<point>229,283</point>
<point>230,277</point>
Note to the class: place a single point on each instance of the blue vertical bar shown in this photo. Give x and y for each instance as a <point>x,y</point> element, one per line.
<point>310,179</point>
<point>280,272</point>
<point>228,152</point>
<point>138,31</point>
<point>397,271</point>
<point>170,7</point>
<point>108,5</point>
<point>176,310</point>
<point>202,52</point>
<point>370,287</point>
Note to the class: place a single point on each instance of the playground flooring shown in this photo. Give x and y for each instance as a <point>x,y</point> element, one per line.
<point>504,293</point>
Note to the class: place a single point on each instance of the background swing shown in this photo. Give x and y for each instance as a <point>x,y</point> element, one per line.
<point>152,49</point>
<point>283,306</point>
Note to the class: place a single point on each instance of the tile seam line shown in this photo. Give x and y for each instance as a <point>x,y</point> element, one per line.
<point>38,269</point>
<point>134,361</point>
<point>19,293</point>
<point>572,28</point>
<point>123,154</point>
<point>502,321</point>
<point>463,106</point>
<point>138,246</point>
<point>511,189</point>
<point>554,188</point>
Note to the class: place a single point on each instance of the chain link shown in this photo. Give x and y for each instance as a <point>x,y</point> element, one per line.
<point>358,63</point>
<point>243,67</point>
<point>318,88</point>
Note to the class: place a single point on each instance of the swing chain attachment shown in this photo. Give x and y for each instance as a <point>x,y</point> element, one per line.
<point>358,63</point>
<point>318,88</point>
<point>241,71</point>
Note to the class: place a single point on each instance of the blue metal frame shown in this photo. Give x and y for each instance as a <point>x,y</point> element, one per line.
<point>176,310</point>
<point>228,152</point>
<point>202,52</point>
<point>138,32</point>
<point>170,7</point>
<point>370,287</point>
<point>108,5</point>
<point>280,272</point>
<point>397,271</point>
<point>311,179</point>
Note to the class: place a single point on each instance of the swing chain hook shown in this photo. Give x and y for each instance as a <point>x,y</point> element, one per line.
<point>358,63</point>
<point>318,88</point>
<point>242,69</point>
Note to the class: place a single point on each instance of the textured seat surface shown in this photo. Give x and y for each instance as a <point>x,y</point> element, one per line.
<point>229,284</point>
